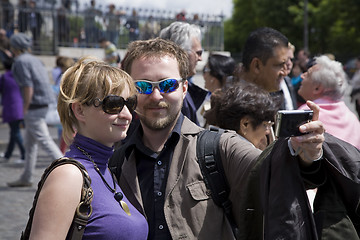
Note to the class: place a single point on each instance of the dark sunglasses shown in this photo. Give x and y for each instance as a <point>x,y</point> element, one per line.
<point>165,86</point>
<point>113,104</point>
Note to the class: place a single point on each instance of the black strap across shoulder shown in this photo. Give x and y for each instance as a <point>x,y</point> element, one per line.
<point>83,210</point>
<point>208,154</point>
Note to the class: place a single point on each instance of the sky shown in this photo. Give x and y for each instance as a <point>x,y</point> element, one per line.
<point>212,7</point>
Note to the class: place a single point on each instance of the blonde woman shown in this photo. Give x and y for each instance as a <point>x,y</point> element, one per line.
<point>95,104</point>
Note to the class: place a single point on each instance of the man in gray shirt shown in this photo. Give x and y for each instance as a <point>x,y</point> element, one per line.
<point>32,77</point>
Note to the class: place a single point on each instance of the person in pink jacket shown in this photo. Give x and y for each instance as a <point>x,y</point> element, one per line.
<point>325,84</point>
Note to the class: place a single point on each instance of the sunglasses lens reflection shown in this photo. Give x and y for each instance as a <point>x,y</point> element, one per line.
<point>131,103</point>
<point>113,104</point>
<point>144,87</point>
<point>165,86</point>
<point>168,85</point>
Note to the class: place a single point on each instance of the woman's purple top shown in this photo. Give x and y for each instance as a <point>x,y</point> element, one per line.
<point>11,98</point>
<point>108,220</point>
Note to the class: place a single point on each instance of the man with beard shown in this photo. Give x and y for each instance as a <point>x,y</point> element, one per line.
<point>157,167</point>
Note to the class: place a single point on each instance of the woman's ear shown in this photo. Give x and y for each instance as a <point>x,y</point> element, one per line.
<point>318,90</point>
<point>244,125</point>
<point>78,110</point>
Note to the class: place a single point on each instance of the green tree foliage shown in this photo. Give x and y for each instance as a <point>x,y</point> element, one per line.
<point>333,24</point>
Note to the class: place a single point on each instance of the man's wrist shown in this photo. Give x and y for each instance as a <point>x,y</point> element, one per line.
<point>292,151</point>
<point>296,153</point>
<point>320,157</point>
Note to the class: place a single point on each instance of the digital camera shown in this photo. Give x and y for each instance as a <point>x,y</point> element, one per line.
<point>289,121</point>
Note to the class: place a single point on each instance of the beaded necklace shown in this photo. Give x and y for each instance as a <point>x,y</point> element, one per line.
<point>117,195</point>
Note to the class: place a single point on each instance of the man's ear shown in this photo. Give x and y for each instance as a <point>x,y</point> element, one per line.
<point>78,110</point>
<point>185,86</point>
<point>255,65</point>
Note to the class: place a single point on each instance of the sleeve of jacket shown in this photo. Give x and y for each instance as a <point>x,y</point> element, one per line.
<point>239,160</point>
<point>342,161</point>
<point>287,213</point>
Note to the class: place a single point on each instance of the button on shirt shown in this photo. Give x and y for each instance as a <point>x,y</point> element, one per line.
<point>153,170</point>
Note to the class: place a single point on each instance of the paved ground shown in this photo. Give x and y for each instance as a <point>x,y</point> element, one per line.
<point>15,203</point>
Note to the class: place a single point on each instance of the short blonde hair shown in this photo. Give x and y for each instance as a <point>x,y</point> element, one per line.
<point>87,79</point>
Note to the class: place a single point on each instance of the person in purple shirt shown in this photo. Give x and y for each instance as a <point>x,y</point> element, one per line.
<point>12,113</point>
<point>95,104</point>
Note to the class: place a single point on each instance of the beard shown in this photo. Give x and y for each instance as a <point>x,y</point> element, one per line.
<point>160,121</point>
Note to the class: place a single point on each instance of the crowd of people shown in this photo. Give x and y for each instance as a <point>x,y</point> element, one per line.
<point>85,25</point>
<point>134,125</point>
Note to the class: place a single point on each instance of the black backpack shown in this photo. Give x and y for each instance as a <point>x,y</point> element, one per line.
<point>208,154</point>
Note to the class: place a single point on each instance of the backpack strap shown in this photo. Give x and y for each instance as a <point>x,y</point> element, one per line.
<point>83,210</point>
<point>208,155</point>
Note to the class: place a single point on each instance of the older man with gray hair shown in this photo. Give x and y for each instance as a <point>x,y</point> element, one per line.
<point>325,84</point>
<point>188,37</point>
<point>32,77</point>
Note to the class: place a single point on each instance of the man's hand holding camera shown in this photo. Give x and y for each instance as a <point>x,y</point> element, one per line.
<point>309,145</point>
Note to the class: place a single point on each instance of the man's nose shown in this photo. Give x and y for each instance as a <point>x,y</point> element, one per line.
<point>156,93</point>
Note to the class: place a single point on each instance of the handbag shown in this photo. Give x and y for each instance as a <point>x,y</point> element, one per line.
<point>83,210</point>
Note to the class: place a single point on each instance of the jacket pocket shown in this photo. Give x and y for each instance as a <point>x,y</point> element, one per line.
<point>198,191</point>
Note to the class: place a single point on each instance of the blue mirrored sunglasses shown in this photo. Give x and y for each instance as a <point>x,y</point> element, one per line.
<point>165,86</point>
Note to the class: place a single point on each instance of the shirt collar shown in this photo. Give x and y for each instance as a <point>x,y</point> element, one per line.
<point>136,138</point>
